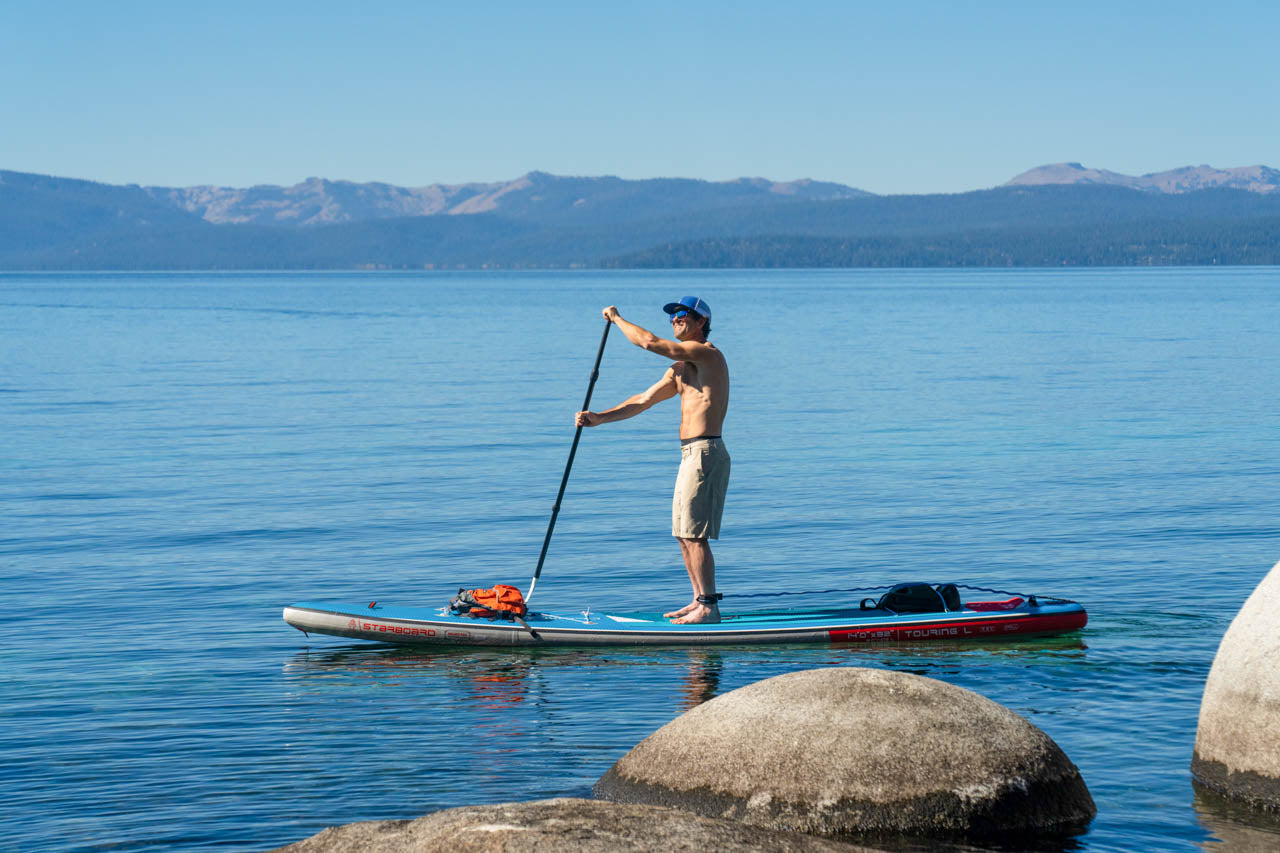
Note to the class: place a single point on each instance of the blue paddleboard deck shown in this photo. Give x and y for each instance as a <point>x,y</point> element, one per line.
<point>427,626</point>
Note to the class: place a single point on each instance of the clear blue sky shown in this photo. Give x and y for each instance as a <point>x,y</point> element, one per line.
<point>892,97</point>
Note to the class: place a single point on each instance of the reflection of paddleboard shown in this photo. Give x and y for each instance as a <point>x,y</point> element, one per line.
<point>437,626</point>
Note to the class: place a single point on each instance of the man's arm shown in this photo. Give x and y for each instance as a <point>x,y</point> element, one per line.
<point>645,339</point>
<point>663,389</point>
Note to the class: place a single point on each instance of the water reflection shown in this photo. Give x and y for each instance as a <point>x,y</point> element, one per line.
<point>496,678</point>
<point>1234,826</point>
<point>493,680</point>
<point>702,677</point>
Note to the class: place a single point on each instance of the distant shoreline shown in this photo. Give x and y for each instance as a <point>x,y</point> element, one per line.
<point>620,269</point>
<point>549,223</point>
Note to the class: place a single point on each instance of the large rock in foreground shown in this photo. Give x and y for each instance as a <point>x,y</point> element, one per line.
<point>1237,750</point>
<point>852,752</point>
<point>546,826</point>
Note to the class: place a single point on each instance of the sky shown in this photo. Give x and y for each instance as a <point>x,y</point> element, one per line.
<point>890,97</point>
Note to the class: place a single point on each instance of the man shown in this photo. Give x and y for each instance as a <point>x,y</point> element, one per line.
<point>701,378</point>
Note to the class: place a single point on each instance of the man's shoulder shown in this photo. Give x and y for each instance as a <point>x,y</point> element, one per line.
<point>707,348</point>
<point>713,353</point>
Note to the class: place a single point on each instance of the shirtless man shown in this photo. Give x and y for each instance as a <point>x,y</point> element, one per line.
<point>701,378</point>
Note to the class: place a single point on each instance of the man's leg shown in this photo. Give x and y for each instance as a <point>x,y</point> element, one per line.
<point>693,581</point>
<point>690,606</point>
<point>701,566</point>
<point>695,509</point>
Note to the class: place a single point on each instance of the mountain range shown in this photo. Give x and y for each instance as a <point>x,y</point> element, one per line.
<point>537,195</point>
<point>1063,213</point>
<point>1257,179</point>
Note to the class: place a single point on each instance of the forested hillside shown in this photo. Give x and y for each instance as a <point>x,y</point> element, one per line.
<point>545,221</point>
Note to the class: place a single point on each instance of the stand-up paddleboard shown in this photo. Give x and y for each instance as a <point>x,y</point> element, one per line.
<point>427,626</point>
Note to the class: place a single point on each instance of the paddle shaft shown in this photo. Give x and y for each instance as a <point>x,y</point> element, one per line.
<point>564,481</point>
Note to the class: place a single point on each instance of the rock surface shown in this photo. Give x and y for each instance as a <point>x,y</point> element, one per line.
<point>543,826</point>
<point>850,753</point>
<point>1237,749</point>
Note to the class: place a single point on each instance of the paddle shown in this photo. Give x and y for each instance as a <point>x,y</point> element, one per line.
<point>564,481</point>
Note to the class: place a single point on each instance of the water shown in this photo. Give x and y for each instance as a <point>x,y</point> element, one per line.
<point>184,454</point>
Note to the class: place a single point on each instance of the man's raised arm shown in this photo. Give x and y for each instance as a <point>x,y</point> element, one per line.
<point>645,339</point>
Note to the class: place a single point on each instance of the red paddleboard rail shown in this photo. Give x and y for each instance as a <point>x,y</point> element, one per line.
<point>1014,625</point>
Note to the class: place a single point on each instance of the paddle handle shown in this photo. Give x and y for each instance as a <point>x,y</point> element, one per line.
<point>564,481</point>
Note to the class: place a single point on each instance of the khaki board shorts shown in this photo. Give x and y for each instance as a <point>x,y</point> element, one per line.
<point>700,486</point>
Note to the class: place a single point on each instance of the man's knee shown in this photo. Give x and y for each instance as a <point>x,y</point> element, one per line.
<point>694,544</point>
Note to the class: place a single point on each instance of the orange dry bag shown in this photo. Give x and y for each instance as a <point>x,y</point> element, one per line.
<point>501,601</point>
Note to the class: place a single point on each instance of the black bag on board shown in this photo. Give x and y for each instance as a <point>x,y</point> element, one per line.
<point>912,598</point>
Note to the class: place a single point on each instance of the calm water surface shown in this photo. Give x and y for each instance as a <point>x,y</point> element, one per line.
<point>184,454</point>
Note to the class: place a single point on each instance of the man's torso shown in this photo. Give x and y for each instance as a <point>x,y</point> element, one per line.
<point>704,395</point>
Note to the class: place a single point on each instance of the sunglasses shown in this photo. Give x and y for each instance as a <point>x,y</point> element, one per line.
<point>680,315</point>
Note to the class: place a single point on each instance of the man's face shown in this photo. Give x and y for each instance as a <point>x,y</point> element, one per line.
<point>686,325</point>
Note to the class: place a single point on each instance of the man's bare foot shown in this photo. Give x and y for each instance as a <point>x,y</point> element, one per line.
<point>701,614</point>
<point>675,614</point>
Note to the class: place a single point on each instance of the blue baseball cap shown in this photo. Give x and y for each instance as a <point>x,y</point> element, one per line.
<point>689,303</point>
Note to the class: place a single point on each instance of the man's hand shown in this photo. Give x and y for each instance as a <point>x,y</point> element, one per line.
<point>587,419</point>
<point>611,314</point>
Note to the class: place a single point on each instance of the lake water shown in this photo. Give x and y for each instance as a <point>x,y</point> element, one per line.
<point>183,454</point>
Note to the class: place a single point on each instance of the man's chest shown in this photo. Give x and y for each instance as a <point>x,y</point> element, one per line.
<point>687,377</point>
